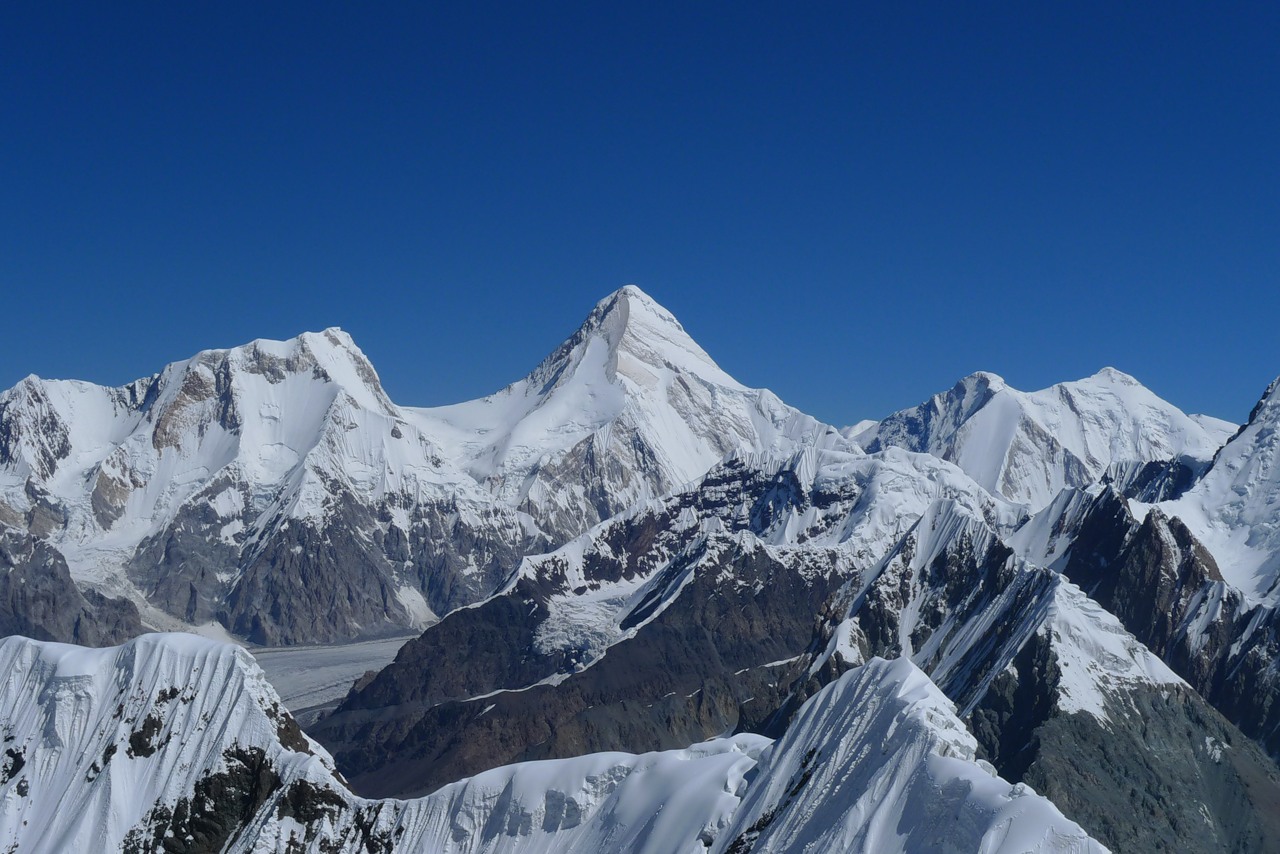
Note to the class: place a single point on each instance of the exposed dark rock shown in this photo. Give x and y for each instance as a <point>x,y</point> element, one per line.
<point>676,681</point>
<point>146,740</point>
<point>1167,590</point>
<point>1158,480</point>
<point>219,809</point>
<point>38,599</point>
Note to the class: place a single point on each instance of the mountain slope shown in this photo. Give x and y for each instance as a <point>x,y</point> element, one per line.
<point>276,490</point>
<point>626,409</point>
<point>172,742</point>
<point>652,630</point>
<point>273,488</point>
<point>1027,446</point>
<point>1235,508</point>
<point>877,762</point>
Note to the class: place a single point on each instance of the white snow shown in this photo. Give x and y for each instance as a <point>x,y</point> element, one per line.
<point>875,762</point>
<point>631,378</point>
<point>878,762</point>
<point>1235,508</point>
<point>1028,446</point>
<point>1097,658</point>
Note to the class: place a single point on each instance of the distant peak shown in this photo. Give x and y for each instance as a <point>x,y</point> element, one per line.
<point>632,291</point>
<point>628,302</point>
<point>1268,403</point>
<point>640,337</point>
<point>1114,376</point>
<point>330,355</point>
<point>983,384</point>
<point>983,378</point>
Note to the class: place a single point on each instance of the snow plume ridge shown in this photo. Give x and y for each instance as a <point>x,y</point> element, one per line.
<point>878,762</point>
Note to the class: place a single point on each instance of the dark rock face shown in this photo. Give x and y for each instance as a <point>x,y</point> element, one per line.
<point>39,600</point>
<point>1164,773</point>
<point>28,422</point>
<point>680,679</point>
<point>303,581</point>
<point>219,809</point>
<point>1150,482</point>
<point>1166,589</point>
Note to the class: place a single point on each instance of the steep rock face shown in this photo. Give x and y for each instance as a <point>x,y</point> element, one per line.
<point>659,625</point>
<point>1148,768</point>
<point>1028,446</point>
<point>38,599</point>
<point>1166,588</point>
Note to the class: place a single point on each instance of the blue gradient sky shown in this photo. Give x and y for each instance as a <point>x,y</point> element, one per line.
<point>852,206</point>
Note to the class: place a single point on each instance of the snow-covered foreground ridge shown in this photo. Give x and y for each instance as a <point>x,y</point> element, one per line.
<point>172,740</point>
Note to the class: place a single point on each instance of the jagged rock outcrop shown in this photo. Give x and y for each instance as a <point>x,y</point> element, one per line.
<point>38,599</point>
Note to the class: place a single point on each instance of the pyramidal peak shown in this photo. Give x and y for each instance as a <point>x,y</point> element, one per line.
<point>629,385</point>
<point>629,334</point>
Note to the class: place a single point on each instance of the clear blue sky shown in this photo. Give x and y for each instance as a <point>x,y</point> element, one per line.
<point>853,206</point>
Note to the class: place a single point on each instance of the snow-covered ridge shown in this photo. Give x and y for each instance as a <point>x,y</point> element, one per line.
<point>201,468</point>
<point>856,506</point>
<point>626,409</point>
<point>1028,446</point>
<point>97,740</point>
<point>1235,508</point>
<point>878,762</point>
<point>172,737</point>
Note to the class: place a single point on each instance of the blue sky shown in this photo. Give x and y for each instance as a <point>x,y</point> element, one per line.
<point>851,205</point>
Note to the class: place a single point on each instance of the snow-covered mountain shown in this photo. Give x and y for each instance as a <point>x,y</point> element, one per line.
<point>634,557</point>
<point>173,742</point>
<point>273,488</point>
<point>1028,446</point>
<point>628,408</point>
<point>1235,508</point>
<point>276,490</point>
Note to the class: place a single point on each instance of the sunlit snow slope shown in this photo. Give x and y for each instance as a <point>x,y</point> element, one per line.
<point>1027,446</point>
<point>172,740</point>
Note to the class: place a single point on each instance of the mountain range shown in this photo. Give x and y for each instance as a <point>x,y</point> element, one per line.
<point>655,610</point>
